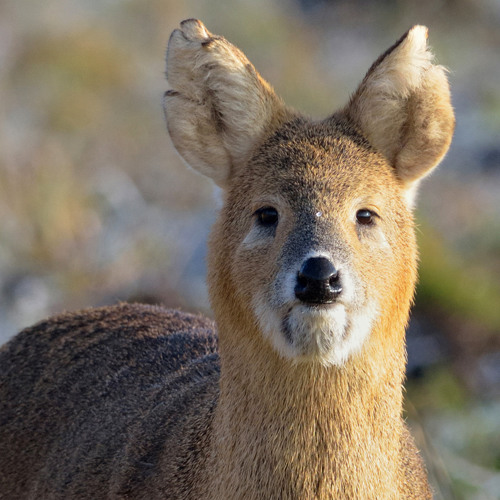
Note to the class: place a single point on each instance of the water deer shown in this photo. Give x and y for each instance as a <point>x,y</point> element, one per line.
<point>295,392</point>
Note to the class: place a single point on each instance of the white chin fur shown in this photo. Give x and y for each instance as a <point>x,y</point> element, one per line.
<point>329,335</point>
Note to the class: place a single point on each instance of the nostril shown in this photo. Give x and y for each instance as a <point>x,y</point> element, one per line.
<point>301,280</point>
<point>335,284</point>
<point>334,278</point>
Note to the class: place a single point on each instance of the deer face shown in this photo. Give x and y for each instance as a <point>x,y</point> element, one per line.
<point>316,216</point>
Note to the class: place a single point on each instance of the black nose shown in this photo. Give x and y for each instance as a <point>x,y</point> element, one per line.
<point>318,281</point>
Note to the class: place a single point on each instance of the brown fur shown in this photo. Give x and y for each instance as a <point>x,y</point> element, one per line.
<point>128,402</point>
<point>82,392</point>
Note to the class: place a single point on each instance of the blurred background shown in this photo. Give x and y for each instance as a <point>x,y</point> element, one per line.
<point>95,206</point>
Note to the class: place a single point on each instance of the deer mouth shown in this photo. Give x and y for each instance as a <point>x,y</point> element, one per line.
<point>312,330</point>
<point>328,333</point>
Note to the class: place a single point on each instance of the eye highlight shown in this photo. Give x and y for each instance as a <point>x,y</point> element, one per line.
<point>267,216</point>
<point>365,217</point>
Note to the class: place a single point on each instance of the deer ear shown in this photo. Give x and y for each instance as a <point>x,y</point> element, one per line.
<point>403,108</point>
<point>219,107</point>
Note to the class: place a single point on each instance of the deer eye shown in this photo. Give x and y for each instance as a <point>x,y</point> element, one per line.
<point>267,216</point>
<point>365,217</point>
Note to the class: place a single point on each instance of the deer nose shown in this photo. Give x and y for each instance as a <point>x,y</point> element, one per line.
<point>318,281</point>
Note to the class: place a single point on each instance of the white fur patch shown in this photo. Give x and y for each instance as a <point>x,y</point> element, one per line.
<point>329,334</point>
<point>256,237</point>
<point>411,194</point>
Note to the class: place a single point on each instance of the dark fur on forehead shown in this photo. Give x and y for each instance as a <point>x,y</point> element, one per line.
<point>307,143</point>
<point>303,130</point>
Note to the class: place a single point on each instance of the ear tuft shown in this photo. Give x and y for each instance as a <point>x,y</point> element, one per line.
<point>399,70</point>
<point>194,29</point>
<point>219,107</point>
<point>403,107</point>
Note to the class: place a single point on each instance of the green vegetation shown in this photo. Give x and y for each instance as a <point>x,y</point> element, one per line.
<point>455,285</point>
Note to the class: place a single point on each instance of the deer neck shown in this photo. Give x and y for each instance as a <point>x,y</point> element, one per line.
<point>284,430</point>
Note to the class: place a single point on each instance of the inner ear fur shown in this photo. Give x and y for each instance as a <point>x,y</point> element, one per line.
<point>219,107</point>
<point>403,107</point>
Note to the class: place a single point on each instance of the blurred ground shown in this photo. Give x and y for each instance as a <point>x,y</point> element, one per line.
<point>95,206</point>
